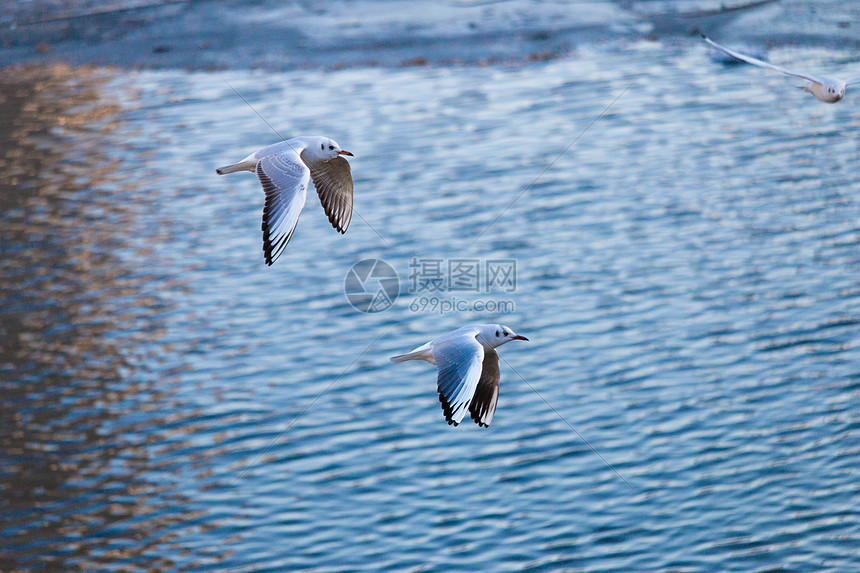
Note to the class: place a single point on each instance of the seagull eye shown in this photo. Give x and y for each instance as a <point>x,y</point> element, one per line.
<point>497,333</point>
<point>322,146</point>
<point>504,334</point>
<point>331,146</point>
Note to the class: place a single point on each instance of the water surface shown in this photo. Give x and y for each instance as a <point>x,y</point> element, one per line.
<point>687,274</point>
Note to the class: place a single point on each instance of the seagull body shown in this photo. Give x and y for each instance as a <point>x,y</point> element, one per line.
<point>285,169</point>
<point>828,90</point>
<point>468,377</point>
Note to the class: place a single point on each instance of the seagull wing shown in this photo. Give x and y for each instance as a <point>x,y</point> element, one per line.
<point>285,180</point>
<point>483,405</point>
<point>853,81</point>
<point>459,359</point>
<point>763,64</point>
<point>333,181</point>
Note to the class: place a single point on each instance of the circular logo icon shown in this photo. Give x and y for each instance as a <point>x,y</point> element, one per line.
<point>371,285</point>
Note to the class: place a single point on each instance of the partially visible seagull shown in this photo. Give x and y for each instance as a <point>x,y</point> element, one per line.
<point>828,90</point>
<point>284,169</point>
<point>468,366</point>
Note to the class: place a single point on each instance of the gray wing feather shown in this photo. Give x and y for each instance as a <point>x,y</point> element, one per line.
<point>483,405</point>
<point>763,64</point>
<point>459,361</point>
<point>333,181</point>
<point>285,179</point>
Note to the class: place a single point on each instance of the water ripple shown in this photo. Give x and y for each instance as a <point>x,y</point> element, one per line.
<point>688,283</point>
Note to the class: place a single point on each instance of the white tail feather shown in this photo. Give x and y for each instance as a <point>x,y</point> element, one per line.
<point>243,166</point>
<point>424,352</point>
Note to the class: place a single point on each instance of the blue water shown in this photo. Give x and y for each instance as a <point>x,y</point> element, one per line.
<point>688,273</point>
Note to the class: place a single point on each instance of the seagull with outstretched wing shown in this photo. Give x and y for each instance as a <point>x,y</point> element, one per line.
<point>284,170</point>
<point>468,370</point>
<point>828,90</point>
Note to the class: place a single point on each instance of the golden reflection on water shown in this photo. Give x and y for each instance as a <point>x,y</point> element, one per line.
<point>77,325</point>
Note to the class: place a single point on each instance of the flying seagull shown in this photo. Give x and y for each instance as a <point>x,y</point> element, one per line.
<point>468,367</point>
<point>828,90</point>
<point>284,169</point>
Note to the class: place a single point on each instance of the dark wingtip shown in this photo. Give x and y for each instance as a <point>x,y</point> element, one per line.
<point>267,254</point>
<point>477,419</point>
<point>446,409</point>
<point>333,221</point>
<point>335,224</point>
<point>218,171</point>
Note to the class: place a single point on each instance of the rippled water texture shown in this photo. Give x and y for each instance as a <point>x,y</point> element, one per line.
<point>687,274</point>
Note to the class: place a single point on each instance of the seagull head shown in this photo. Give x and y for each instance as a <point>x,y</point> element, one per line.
<point>324,149</point>
<point>494,335</point>
<point>834,90</point>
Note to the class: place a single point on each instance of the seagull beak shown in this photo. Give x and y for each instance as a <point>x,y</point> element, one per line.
<point>518,337</point>
<point>344,152</point>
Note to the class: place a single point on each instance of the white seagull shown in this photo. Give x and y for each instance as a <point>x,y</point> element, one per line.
<point>828,90</point>
<point>468,369</point>
<point>284,169</point>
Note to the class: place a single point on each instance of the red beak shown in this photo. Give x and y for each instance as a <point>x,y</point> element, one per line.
<point>518,337</point>
<point>344,152</point>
